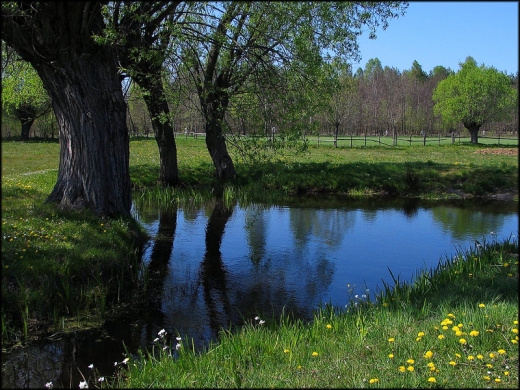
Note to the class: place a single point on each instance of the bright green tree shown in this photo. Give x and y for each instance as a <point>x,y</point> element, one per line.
<point>474,95</point>
<point>23,95</point>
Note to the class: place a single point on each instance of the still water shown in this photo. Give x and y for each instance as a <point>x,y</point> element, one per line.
<point>216,267</point>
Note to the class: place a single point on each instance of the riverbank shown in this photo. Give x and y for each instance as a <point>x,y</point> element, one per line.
<point>455,326</point>
<point>63,271</point>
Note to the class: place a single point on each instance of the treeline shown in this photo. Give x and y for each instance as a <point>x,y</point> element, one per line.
<point>374,100</point>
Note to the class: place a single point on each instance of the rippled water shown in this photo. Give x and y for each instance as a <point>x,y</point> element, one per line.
<point>214,267</point>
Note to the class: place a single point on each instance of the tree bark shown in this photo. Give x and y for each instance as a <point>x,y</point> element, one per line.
<point>214,108</point>
<point>160,115</point>
<point>82,80</point>
<point>26,128</point>
<point>94,143</point>
<point>473,131</point>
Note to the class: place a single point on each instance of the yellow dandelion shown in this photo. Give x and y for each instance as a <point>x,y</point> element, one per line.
<point>497,380</point>
<point>402,368</point>
<point>458,333</point>
<point>451,315</point>
<point>506,373</point>
<point>455,328</point>
<point>462,341</point>
<point>487,378</point>
<point>391,340</point>
<point>286,351</point>
<point>489,365</point>
<point>481,305</point>
<point>420,334</point>
<point>506,265</point>
<point>418,339</point>
<point>428,354</point>
<point>410,368</point>
<point>431,365</point>
<point>391,355</point>
<point>452,363</point>
<point>315,354</point>
<point>329,326</point>
<point>474,333</point>
<point>458,355</point>
<point>515,322</point>
<point>501,351</point>
<point>471,357</point>
<point>514,341</point>
<point>492,355</point>
<point>373,380</point>
<point>480,357</point>
<point>432,379</point>
<point>440,337</point>
<point>410,361</point>
<point>514,330</point>
<point>445,327</point>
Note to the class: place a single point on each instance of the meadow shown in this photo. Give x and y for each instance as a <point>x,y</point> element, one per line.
<point>64,271</point>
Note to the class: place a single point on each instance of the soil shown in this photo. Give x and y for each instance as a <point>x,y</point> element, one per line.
<point>505,151</point>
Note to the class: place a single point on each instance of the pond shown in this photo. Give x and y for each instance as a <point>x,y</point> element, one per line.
<point>217,267</point>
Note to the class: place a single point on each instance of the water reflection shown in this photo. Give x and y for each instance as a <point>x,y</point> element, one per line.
<point>217,267</point>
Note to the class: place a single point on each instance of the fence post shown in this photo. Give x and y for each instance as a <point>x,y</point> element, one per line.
<point>351,140</point>
<point>439,139</point>
<point>424,139</point>
<point>365,138</point>
<point>410,139</point>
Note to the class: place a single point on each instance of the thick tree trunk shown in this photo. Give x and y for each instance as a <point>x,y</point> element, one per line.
<point>216,144</point>
<point>82,80</point>
<point>163,130</point>
<point>26,128</point>
<point>94,143</point>
<point>215,140</point>
<point>473,131</point>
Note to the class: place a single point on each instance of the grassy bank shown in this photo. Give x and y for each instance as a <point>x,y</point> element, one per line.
<point>455,326</point>
<point>64,270</point>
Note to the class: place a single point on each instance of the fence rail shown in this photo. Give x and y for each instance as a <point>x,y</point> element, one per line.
<point>400,141</point>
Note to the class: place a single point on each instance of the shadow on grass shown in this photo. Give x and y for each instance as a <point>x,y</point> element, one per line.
<point>380,177</point>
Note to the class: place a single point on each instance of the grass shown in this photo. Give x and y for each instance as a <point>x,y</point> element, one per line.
<point>65,270</point>
<point>455,326</point>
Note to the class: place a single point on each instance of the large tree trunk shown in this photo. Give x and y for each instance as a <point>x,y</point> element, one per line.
<point>82,80</point>
<point>214,110</point>
<point>160,114</point>
<point>27,116</point>
<point>26,128</point>
<point>473,131</point>
<point>94,142</point>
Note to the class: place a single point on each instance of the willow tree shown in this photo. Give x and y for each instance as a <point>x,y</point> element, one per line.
<point>233,42</point>
<point>81,77</point>
<point>143,33</point>
<point>23,95</point>
<point>475,95</point>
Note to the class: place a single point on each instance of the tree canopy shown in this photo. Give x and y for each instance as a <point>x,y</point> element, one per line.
<point>474,95</point>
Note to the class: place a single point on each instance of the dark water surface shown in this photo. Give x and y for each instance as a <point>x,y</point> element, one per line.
<point>213,267</point>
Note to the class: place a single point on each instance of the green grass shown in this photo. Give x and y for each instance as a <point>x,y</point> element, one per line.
<point>65,269</point>
<point>453,327</point>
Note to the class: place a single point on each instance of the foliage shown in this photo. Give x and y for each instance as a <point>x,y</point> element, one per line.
<point>475,95</point>
<point>23,95</point>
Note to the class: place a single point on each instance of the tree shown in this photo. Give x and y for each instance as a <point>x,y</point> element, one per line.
<point>474,95</point>
<point>142,32</point>
<point>238,40</point>
<point>82,80</point>
<point>23,95</point>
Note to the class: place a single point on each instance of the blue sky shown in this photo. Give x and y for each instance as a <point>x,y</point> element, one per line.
<point>445,33</point>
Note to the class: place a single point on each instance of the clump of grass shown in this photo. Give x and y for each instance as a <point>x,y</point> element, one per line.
<point>455,326</point>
